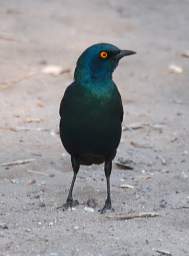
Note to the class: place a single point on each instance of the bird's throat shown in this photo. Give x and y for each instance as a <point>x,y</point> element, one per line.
<point>87,76</point>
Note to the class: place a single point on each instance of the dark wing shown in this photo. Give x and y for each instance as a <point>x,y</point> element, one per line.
<point>66,98</point>
<point>120,106</point>
<point>121,110</point>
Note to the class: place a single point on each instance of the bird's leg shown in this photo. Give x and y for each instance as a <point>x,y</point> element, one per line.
<point>70,202</point>
<point>108,204</point>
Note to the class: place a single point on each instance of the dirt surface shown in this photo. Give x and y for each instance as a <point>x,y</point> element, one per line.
<point>155,140</point>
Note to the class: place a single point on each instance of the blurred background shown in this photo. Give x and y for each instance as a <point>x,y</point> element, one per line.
<point>40,42</point>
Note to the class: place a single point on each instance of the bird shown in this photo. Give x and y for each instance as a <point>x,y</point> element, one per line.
<point>91,114</point>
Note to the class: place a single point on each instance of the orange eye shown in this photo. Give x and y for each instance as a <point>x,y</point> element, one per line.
<point>103,55</point>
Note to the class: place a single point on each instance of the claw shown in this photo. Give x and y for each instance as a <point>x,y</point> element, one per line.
<point>70,203</point>
<point>107,207</point>
<point>104,210</point>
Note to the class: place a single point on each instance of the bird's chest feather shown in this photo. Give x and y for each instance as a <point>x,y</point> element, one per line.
<point>96,105</point>
<point>91,109</point>
<point>91,120</point>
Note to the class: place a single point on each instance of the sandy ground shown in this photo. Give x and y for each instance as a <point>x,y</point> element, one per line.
<point>155,140</point>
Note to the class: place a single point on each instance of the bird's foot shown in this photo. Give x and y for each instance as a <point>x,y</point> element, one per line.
<point>107,207</point>
<point>70,203</point>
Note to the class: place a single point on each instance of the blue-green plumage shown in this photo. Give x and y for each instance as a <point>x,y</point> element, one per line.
<point>91,111</point>
<point>91,122</point>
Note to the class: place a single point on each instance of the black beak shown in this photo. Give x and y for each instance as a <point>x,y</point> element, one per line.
<point>123,53</point>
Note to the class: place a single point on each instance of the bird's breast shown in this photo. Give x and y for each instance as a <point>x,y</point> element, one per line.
<point>90,124</point>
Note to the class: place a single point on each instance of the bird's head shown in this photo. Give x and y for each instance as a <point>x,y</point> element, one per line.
<point>98,62</point>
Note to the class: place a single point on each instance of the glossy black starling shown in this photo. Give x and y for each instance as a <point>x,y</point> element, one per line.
<point>91,113</point>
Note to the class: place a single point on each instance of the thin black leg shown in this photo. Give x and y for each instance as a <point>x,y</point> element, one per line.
<point>108,204</point>
<point>70,202</point>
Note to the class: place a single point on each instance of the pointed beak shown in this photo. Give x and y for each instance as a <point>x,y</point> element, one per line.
<point>124,53</point>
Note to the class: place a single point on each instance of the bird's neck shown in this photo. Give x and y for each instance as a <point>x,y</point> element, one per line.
<point>86,76</point>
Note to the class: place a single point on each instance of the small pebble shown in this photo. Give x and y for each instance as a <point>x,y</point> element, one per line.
<point>184,175</point>
<point>54,70</point>
<point>88,209</point>
<point>91,203</point>
<point>3,226</point>
<point>14,181</point>
<point>51,224</point>
<point>37,196</point>
<point>42,204</point>
<point>53,133</point>
<point>126,186</point>
<point>28,230</point>
<point>42,183</point>
<point>43,62</point>
<point>163,203</point>
<point>185,54</point>
<point>175,69</point>
<point>31,182</point>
